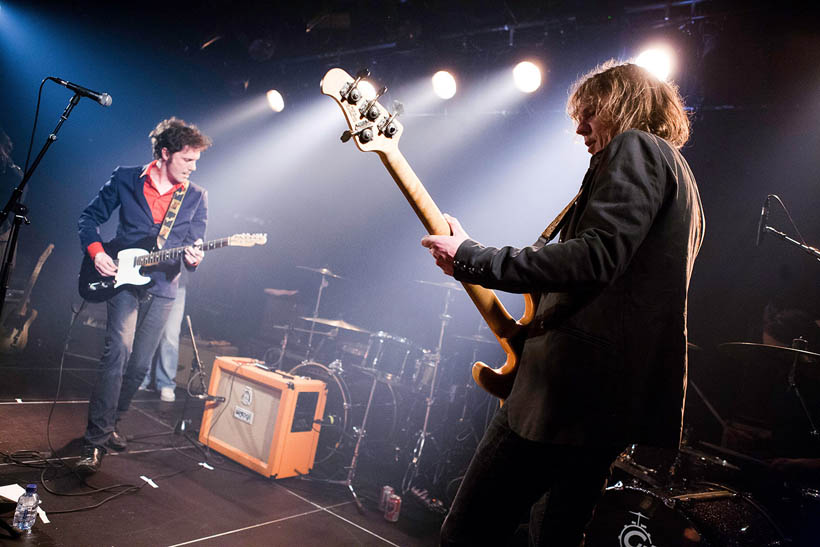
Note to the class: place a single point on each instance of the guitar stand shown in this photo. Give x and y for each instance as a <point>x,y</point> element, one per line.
<point>351,469</point>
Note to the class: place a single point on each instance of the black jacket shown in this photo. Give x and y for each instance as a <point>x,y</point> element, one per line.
<point>604,359</point>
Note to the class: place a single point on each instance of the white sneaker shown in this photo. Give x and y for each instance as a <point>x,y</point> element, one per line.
<point>167,394</point>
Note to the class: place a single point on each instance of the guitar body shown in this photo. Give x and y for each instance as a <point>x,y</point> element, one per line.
<point>98,288</point>
<point>15,329</point>
<point>373,129</point>
<point>17,320</point>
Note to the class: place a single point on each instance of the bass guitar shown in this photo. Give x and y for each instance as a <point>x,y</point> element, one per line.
<point>17,319</point>
<point>98,288</point>
<point>374,129</point>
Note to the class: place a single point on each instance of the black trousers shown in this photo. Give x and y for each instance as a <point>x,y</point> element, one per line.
<point>509,474</point>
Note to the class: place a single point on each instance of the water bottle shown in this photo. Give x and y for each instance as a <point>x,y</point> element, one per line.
<point>26,512</point>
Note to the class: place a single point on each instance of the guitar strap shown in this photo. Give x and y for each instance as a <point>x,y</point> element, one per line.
<point>558,223</point>
<point>171,215</point>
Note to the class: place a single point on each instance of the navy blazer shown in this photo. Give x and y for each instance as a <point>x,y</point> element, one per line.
<point>125,189</point>
<point>604,360</point>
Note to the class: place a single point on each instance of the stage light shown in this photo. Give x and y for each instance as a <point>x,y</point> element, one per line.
<point>275,101</point>
<point>444,85</point>
<point>527,76</point>
<point>367,89</point>
<point>657,60</point>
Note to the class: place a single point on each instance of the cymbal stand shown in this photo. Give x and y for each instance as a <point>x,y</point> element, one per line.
<point>360,435</point>
<point>413,467</point>
<point>800,343</point>
<point>322,284</point>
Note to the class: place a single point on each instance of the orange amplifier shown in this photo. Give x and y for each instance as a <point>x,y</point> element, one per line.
<point>268,421</point>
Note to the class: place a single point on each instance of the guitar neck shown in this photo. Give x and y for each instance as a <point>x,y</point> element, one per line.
<point>488,304</point>
<point>156,257</point>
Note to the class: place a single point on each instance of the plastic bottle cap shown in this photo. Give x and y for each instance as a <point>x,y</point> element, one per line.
<point>31,488</point>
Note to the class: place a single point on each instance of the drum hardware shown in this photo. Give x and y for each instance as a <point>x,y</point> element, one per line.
<point>413,466</point>
<point>797,354</point>
<point>282,349</point>
<point>325,273</point>
<point>360,432</point>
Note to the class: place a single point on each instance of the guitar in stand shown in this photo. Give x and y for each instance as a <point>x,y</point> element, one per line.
<point>97,288</point>
<point>17,319</point>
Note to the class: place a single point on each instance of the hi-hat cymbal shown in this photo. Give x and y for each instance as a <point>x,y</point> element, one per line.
<point>477,338</point>
<point>323,271</point>
<point>443,284</point>
<point>749,351</point>
<point>337,323</point>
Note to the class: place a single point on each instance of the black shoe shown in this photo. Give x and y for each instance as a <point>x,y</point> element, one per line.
<point>117,441</point>
<point>91,460</point>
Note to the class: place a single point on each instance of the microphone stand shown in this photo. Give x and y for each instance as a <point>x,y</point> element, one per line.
<point>13,206</point>
<point>806,248</point>
<point>183,425</point>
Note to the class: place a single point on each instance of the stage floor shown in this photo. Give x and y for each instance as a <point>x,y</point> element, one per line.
<point>191,504</point>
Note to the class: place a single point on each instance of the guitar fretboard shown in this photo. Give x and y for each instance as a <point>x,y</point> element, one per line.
<point>168,254</point>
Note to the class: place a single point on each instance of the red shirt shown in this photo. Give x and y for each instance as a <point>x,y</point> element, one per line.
<point>158,203</point>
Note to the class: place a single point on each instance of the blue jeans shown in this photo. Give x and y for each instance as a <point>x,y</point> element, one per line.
<point>134,326</point>
<point>166,358</point>
<point>509,474</point>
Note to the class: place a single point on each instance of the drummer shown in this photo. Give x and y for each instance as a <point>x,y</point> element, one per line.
<point>792,433</point>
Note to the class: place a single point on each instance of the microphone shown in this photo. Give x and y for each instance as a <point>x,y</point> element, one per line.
<point>761,224</point>
<point>102,98</point>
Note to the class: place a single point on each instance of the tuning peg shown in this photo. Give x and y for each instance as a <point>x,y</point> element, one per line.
<point>387,127</point>
<point>370,110</point>
<point>350,92</point>
<point>365,135</point>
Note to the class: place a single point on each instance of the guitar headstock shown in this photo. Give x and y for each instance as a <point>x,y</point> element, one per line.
<point>371,126</point>
<point>247,240</point>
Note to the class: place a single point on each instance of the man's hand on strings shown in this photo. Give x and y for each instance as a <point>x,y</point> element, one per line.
<point>194,254</point>
<point>105,265</point>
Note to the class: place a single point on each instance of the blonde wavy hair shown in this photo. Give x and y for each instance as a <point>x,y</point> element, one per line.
<point>626,96</point>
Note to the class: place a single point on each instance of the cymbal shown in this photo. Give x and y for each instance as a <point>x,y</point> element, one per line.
<point>443,284</point>
<point>477,338</point>
<point>289,328</point>
<point>747,351</point>
<point>338,323</point>
<point>323,271</point>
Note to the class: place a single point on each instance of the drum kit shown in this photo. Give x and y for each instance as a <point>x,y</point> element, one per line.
<point>386,401</point>
<point>713,494</point>
<point>384,395</point>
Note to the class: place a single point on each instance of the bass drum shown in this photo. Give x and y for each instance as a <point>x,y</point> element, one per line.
<point>697,514</point>
<point>347,395</point>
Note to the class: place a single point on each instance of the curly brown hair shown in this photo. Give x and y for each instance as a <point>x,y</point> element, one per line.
<point>175,134</point>
<point>627,96</point>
